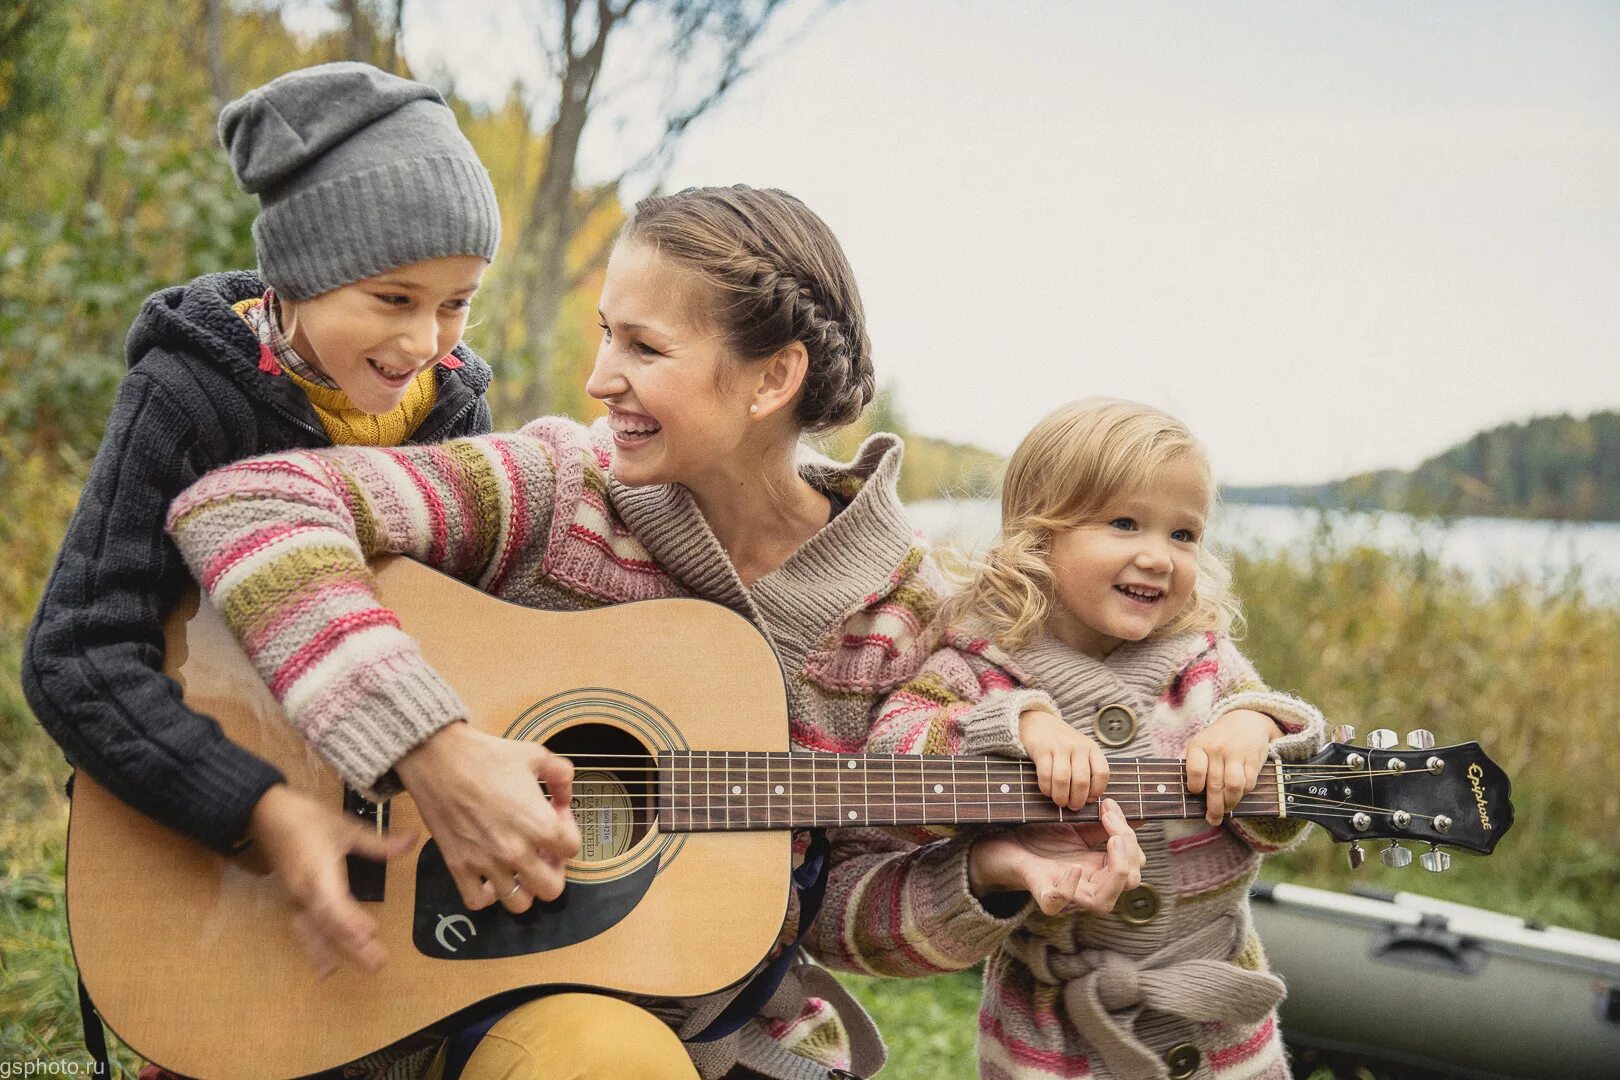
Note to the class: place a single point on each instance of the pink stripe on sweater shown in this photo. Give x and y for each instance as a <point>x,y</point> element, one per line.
<point>805,737</point>
<point>1246,1049</point>
<point>1197,840</point>
<point>250,544</point>
<point>466,508</point>
<point>518,532</point>
<point>1054,1061</point>
<point>893,896</point>
<point>596,540</point>
<point>993,679</point>
<point>1190,677</point>
<point>884,641</point>
<point>1010,1000</point>
<point>257,640</point>
<point>589,496</point>
<point>439,540</point>
<point>330,636</point>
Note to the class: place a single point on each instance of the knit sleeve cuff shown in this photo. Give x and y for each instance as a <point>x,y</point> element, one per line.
<point>991,726</point>
<point>388,709</point>
<point>1303,727</point>
<point>951,917</point>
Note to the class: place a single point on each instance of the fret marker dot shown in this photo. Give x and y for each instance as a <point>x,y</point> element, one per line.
<point>852,763</point>
<point>938,788</point>
<point>1161,789</point>
<point>779,789</point>
<point>1004,787</point>
<point>852,815</point>
<point>736,791</point>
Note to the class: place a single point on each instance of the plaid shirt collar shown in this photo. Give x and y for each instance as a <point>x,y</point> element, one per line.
<point>268,326</point>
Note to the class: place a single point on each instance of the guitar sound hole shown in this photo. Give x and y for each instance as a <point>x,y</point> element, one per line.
<point>615,784</point>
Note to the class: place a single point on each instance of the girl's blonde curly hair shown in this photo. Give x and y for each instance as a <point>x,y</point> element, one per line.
<point>1066,472</point>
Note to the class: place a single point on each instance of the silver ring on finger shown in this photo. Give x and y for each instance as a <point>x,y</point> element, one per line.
<point>516,885</point>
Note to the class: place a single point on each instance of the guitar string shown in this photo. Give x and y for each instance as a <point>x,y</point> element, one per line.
<point>717,825</point>
<point>709,803</point>
<point>795,761</point>
<point>714,807</point>
<point>1026,782</point>
<point>826,760</point>
<point>1154,767</point>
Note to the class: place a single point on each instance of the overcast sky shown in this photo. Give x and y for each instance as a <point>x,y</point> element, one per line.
<point>1332,237</point>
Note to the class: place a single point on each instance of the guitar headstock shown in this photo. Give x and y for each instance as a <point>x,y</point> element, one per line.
<point>1453,795</point>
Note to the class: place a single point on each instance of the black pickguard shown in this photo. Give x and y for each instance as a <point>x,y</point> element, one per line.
<point>442,928</point>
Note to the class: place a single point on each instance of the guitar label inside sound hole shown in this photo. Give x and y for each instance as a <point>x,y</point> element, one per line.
<point>605,813</point>
<point>615,784</point>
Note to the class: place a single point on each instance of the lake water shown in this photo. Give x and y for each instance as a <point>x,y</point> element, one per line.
<point>1488,549</point>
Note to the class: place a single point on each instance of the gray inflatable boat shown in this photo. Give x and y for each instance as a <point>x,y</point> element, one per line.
<point>1405,985</point>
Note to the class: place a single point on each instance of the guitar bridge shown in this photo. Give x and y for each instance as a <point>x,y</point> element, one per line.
<point>368,879</point>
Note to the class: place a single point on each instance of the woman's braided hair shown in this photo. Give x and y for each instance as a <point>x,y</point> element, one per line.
<point>781,277</point>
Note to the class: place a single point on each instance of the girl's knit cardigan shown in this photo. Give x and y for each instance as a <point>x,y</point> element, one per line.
<point>280,544</point>
<point>1085,995</point>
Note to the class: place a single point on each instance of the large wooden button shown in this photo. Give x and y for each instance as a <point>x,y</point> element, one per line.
<point>1183,1060</point>
<point>1115,725</point>
<point>1139,905</point>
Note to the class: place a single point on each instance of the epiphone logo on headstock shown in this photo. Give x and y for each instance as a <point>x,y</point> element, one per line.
<point>1474,775</point>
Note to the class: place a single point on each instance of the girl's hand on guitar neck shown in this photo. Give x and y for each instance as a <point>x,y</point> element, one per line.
<point>1069,767</point>
<point>1223,760</point>
<point>503,838</point>
<point>304,843</point>
<point>1057,864</point>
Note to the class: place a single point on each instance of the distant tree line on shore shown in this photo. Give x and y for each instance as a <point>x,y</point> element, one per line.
<point>1561,467</point>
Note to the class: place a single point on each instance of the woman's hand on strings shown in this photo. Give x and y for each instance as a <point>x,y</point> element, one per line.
<point>1069,767</point>
<point>1060,864</point>
<point>1223,760</point>
<point>304,843</point>
<point>504,839</point>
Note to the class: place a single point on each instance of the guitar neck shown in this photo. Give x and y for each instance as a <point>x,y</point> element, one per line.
<point>733,791</point>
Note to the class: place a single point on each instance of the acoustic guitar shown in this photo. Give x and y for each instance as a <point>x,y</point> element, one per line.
<point>675,715</point>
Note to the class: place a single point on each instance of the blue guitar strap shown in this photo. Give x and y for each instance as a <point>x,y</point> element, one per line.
<point>95,1037</point>
<point>461,1045</point>
<point>810,880</point>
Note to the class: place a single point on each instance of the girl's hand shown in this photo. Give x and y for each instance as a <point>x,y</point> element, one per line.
<point>1069,767</point>
<point>1223,760</point>
<point>479,797</point>
<point>304,843</point>
<point>1056,865</point>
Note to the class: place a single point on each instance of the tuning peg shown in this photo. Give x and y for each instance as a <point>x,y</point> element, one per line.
<point>1434,860</point>
<point>1344,733</point>
<point>1395,856</point>
<point>1420,739</point>
<point>1382,739</point>
<point>1357,855</point>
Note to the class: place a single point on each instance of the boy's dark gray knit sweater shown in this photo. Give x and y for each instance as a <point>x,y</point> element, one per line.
<point>193,399</point>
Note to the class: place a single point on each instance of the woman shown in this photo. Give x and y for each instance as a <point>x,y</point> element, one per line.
<point>731,326</point>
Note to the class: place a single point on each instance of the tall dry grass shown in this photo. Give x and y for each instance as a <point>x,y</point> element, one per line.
<point>1381,639</point>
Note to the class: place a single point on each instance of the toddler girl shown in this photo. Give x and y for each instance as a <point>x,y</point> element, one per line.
<point>1098,624</point>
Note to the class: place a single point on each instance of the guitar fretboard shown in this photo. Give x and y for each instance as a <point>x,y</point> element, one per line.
<point>735,791</point>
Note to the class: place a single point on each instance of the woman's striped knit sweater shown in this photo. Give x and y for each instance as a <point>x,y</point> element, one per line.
<point>1087,995</point>
<point>280,544</point>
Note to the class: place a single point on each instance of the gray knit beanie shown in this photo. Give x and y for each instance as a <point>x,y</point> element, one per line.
<point>357,172</point>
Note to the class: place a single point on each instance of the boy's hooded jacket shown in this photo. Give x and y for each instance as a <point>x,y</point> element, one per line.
<point>195,398</point>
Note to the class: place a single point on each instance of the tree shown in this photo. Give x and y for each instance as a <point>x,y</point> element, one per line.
<point>699,51</point>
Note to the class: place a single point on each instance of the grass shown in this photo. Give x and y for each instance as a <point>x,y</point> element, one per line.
<point>1376,639</point>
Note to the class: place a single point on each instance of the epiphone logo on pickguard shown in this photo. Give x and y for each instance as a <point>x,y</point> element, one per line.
<point>1474,775</point>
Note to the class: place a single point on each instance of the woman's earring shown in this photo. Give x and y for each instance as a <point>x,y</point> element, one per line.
<point>753,409</point>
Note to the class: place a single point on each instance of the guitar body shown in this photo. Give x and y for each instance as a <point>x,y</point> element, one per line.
<point>191,958</point>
